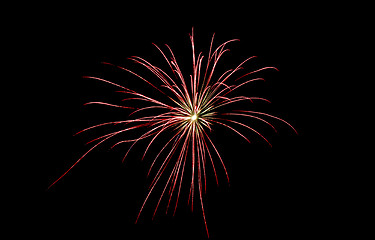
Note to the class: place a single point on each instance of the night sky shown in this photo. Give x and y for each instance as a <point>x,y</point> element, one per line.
<point>281,191</point>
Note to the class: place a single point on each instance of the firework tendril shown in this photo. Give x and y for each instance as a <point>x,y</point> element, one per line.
<point>194,105</point>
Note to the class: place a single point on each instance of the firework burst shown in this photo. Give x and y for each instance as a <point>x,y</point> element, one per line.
<point>192,106</point>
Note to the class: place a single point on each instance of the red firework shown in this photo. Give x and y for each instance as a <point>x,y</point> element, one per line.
<point>194,105</point>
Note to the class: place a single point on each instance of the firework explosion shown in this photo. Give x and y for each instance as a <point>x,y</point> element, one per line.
<point>194,105</point>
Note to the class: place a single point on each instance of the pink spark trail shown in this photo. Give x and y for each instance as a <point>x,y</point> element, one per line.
<point>195,103</point>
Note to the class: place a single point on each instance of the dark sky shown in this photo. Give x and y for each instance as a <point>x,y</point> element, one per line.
<point>278,192</point>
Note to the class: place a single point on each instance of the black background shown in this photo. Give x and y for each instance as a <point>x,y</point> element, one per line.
<point>283,191</point>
